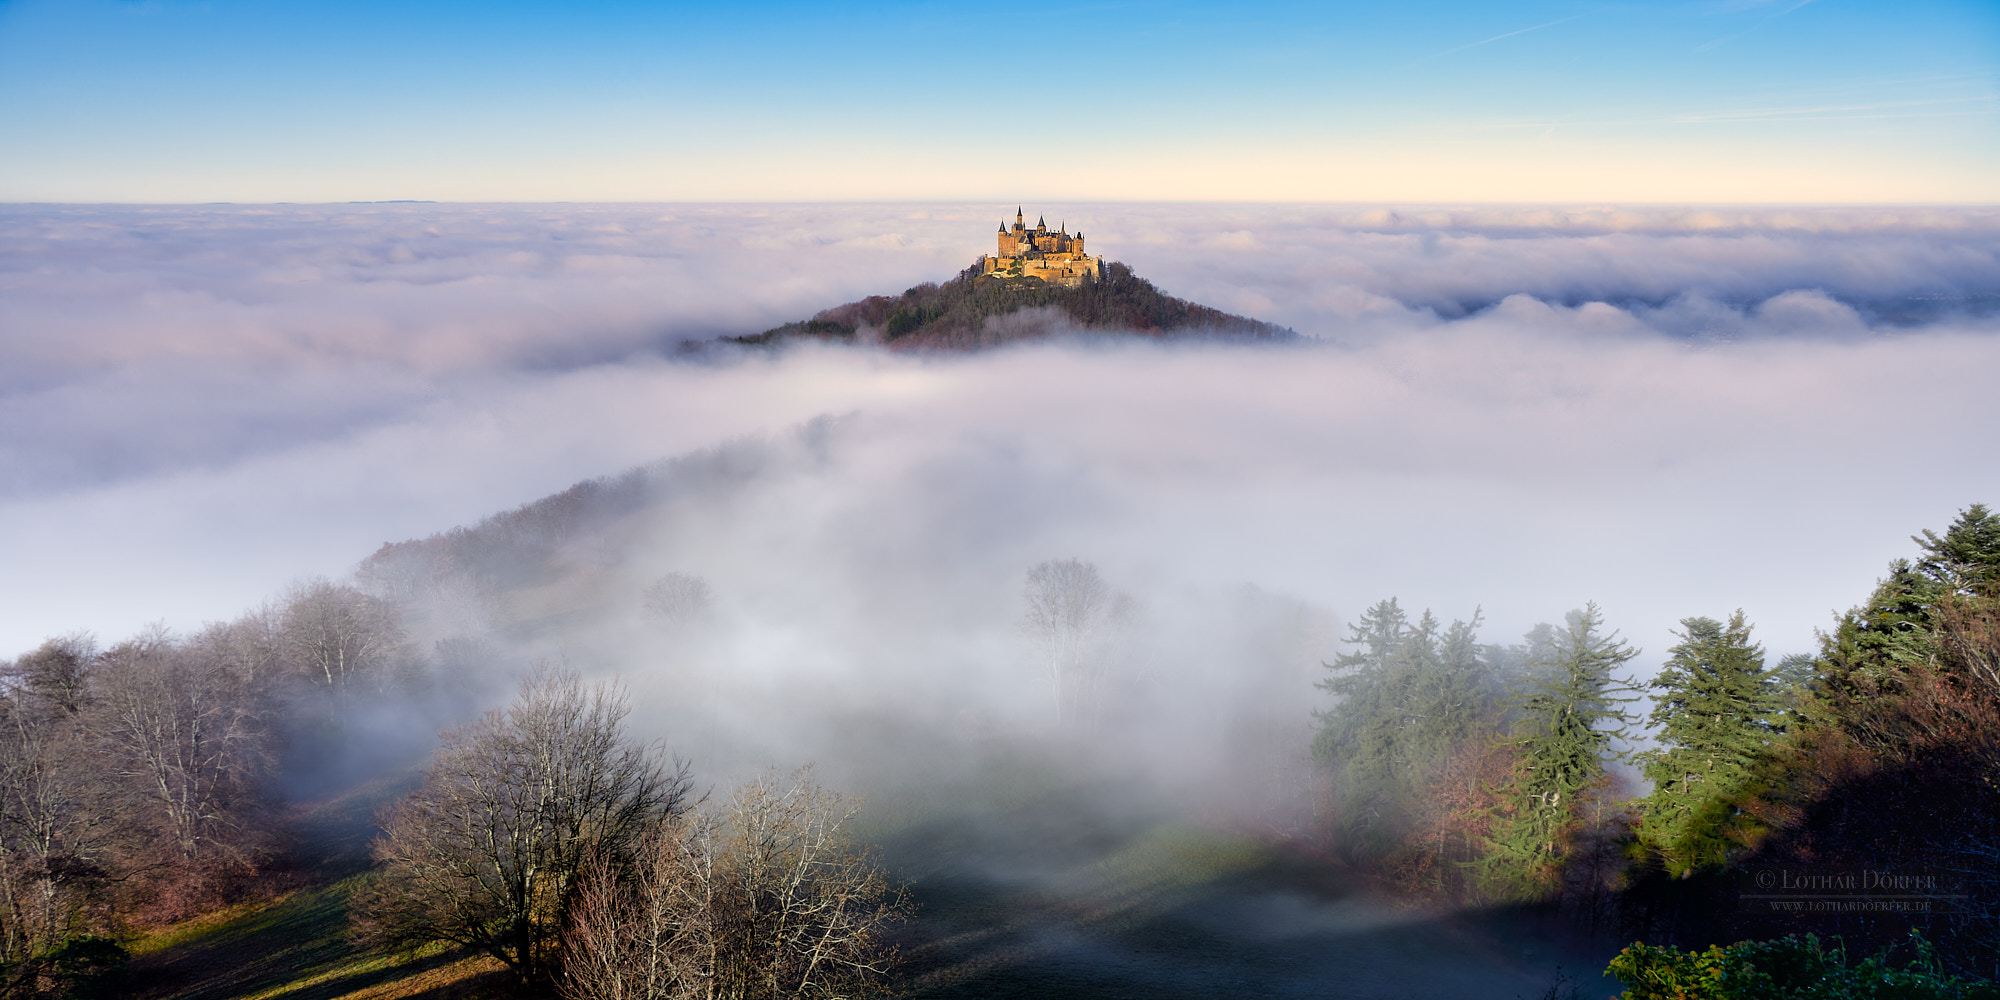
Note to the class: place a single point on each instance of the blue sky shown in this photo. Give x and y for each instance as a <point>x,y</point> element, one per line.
<point>1729,101</point>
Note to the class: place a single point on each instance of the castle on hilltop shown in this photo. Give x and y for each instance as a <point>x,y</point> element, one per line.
<point>1052,256</point>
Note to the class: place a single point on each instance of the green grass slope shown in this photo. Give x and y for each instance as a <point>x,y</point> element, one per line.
<point>297,945</point>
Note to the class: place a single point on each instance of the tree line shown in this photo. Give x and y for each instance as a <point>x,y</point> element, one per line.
<point>1506,774</point>
<point>145,783</point>
<point>137,781</point>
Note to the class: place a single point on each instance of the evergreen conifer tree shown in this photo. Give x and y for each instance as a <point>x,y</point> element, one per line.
<point>1966,559</point>
<point>1895,629</point>
<point>1355,743</point>
<point>1568,712</point>
<point>1356,679</point>
<point>1409,694</point>
<point>1717,708</point>
<point>1448,694</point>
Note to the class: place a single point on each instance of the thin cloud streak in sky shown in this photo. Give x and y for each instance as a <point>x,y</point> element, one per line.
<point>1795,5</point>
<point>1850,112</point>
<point>1495,38</point>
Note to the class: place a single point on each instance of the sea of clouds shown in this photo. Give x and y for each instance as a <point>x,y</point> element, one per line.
<point>1669,411</point>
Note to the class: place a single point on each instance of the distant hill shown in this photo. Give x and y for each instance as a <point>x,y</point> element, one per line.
<point>977,310</point>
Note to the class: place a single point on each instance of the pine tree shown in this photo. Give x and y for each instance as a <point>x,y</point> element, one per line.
<point>1894,630</point>
<point>1357,679</point>
<point>1448,694</point>
<point>1966,560</point>
<point>1717,709</point>
<point>1356,740</point>
<point>1409,694</point>
<point>1569,711</point>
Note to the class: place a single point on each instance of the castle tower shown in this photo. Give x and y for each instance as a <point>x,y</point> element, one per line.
<point>1041,253</point>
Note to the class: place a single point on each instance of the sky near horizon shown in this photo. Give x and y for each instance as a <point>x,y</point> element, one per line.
<point>1821,101</point>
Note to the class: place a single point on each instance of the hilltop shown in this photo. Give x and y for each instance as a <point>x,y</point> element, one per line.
<point>978,309</point>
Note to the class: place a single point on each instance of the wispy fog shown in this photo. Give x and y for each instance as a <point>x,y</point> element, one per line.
<point>1671,412</point>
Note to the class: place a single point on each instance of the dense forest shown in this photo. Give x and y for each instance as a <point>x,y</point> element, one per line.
<point>1758,827</point>
<point>975,310</point>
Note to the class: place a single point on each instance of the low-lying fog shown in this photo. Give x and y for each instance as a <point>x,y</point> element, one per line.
<point>1670,412</point>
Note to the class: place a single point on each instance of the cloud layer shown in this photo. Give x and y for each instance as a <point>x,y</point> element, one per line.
<point>1673,412</point>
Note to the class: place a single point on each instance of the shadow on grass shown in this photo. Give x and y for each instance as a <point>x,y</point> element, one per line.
<point>299,949</point>
<point>1057,892</point>
<point>297,938</point>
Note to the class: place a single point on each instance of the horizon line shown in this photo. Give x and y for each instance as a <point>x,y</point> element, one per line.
<point>1427,203</point>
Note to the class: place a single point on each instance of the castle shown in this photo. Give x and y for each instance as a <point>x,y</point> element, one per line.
<point>1055,257</point>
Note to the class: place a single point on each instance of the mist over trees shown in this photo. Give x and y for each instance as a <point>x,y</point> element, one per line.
<point>680,601</point>
<point>142,780</point>
<point>1409,694</point>
<point>859,596</point>
<point>1070,616</point>
<point>1483,773</point>
<point>1569,711</point>
<point>1472,770</point>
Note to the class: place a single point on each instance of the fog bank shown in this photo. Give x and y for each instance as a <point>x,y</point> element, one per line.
<point>1672,412</point>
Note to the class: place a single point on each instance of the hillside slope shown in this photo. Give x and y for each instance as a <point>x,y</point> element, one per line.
<point>975,310</point>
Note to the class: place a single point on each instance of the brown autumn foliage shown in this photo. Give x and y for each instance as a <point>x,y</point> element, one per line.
<point>1453,819</point>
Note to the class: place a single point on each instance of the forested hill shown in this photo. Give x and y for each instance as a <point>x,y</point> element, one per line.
<point>977,310</point>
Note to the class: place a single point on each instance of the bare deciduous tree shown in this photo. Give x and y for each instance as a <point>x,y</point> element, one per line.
<point>1068,607</point>
<point>680,601</point>
<point>340,637</point>
<point>59,670</point>
<point>51,828</point>
<point>489,851</point>
<point>188,734</point>
<point>762,900</point>
<point>249,647</point>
